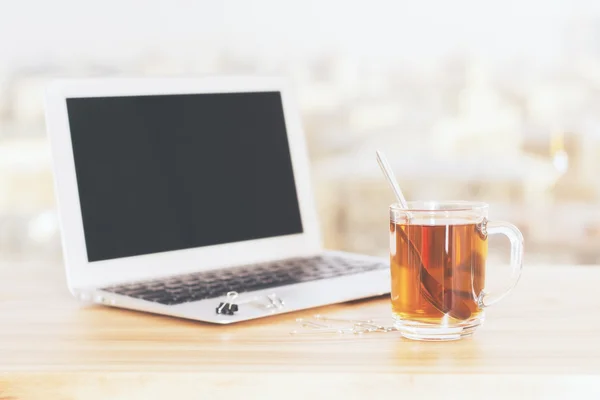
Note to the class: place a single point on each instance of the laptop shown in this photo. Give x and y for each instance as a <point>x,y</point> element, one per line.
<point>192,198</point>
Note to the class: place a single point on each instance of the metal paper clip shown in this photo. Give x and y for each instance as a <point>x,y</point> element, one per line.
<point>321,330</point>
<point>276,301</point>
<point>360,321</point>
<point>367,323</point>
<point>355,329</point>
<point>357,326</point>
<point>311,324</point>
<point>231,306</point>
<point>319,327</point>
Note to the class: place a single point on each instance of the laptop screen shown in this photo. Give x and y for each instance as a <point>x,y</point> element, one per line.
<point>172,172</point>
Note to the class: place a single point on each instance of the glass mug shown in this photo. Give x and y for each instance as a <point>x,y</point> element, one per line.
<point>438,253</point>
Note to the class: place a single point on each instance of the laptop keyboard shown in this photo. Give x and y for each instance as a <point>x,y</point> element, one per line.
<point>210,284</point>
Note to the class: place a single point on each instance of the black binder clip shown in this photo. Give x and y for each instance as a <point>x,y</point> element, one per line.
<point>228,307</point>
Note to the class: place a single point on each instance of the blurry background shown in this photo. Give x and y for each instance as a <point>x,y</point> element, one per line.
<point>497,102</point>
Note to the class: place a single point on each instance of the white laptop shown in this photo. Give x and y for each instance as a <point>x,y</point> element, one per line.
<point>191,198</point>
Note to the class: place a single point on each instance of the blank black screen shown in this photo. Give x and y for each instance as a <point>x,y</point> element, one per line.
<point>171,172</point>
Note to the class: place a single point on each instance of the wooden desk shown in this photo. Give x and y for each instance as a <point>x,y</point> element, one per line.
<point>543,341</point>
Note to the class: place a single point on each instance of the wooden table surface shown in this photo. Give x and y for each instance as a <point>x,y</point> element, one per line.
<point>543,341</point>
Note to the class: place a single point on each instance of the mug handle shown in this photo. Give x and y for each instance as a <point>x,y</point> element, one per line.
<point>516,258</point>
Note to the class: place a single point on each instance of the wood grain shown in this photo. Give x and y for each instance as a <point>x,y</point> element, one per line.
<point>544,336</point>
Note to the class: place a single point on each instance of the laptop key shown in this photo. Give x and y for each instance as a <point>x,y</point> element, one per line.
<point>211,284</point>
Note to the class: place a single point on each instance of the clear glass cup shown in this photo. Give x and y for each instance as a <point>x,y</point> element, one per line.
<point>438,254</point>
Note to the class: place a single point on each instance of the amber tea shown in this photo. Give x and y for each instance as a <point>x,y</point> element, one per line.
<point>437,271</point>
<point>438,253</point>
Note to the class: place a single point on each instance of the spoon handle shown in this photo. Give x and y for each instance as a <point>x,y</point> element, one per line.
<point>391,179</point>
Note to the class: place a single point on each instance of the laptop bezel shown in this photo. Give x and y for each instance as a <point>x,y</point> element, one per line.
<point>81,273</point>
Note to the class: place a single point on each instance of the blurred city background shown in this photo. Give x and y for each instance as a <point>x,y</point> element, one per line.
<point>497,102</point>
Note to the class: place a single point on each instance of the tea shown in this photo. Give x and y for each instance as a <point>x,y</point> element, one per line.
<point>437,270</point>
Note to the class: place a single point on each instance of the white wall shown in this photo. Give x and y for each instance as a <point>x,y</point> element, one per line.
<point>70,30</point>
